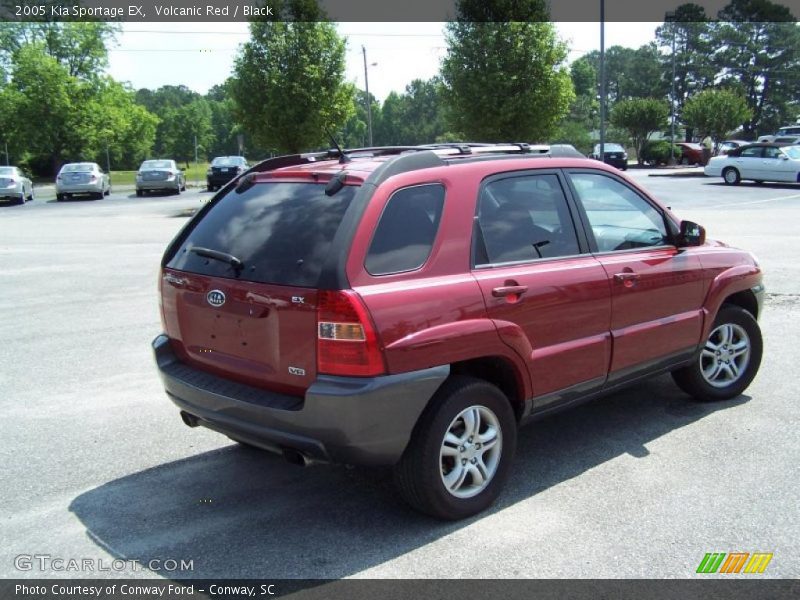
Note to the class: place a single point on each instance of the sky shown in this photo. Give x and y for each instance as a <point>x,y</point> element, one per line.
<point>201,55</point>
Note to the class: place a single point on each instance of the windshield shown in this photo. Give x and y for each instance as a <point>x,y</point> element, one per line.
<point>227,161</point>
<point>281,233</point>
<point>156,164</point>
<point>792,152</point>
<point>610,148</point>
<point>78,167</point>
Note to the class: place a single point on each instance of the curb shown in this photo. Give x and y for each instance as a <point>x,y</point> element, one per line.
<point>679,174</point>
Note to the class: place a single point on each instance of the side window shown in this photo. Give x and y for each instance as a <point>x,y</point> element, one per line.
<point>619,217</point>
<point>525,218</point>
<point>404,237</point>
<point>771,152</point>
<point>754,152</point>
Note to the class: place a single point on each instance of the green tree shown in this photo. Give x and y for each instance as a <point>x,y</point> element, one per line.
<point>640,117</point>
<point>759,54</point>
<point>166,103</point>
<point>288,84</point>
<point>630,73</point>
<point>223,124</point>
<point>186,125</point>
<point>80,47</point>
<point>504,72</point>
<point>690,31</point>
<point>355,133</point>
<point>716,113</point>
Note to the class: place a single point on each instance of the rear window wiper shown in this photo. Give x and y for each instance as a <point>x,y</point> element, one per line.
<point>234,262</point>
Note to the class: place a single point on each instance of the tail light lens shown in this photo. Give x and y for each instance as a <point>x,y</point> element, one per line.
<point>347,343</point>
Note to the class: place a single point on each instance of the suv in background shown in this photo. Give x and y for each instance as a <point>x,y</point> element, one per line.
<point>784,132</point>
<point>412,307</point>
<point>223,169</point>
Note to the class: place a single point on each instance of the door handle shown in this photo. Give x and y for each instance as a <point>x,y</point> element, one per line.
<point>626,279</point>
<point>509,290</point>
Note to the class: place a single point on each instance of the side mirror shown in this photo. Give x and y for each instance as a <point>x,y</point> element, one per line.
<point>691,234</point>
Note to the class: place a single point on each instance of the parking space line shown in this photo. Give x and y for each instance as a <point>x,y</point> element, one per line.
<point>756,201</point>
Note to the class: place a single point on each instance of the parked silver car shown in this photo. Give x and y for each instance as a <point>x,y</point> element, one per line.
<point>161,174</point>
<point>81,178</point>
<point>15,186</point>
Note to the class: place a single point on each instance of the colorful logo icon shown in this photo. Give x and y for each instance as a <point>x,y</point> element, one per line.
<point>736,562</point>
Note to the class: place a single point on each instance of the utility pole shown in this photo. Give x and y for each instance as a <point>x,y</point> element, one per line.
<point>196,169</point>
<point>670,18</point>
<point>108,161</point>
<point>602,80</point>
<point>369,104</point>
<point>6,143</point>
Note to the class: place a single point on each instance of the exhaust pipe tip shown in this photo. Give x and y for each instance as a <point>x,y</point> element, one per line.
<point>189,420</point>
<point>296,458</point>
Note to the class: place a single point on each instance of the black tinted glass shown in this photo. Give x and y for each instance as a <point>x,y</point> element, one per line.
<point>406,230</point>
<point>526,218</point>
<point>282,232</point>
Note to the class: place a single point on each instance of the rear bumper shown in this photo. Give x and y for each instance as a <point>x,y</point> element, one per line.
<point>220,179</point>
<point>352,420</point>
<point>79,188</point>
<point>164,184</point>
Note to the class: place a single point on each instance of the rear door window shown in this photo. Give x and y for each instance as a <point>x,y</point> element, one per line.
<point>525,218</point>
<point>282,232</point>
<point>407,228</point>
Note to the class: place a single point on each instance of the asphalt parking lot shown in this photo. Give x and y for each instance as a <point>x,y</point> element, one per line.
<point>96,463</point>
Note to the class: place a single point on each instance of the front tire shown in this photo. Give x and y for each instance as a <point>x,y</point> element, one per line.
<point>460,452</point>
<point>729,359</point>
<point>731,176</point>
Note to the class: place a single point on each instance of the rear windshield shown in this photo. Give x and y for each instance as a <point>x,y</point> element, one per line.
<point>156,164</point>
<point>7,170</point>
<point>610,148</point>
<point>282,232</point>
<point>227,161</point>
<point>77,167</point>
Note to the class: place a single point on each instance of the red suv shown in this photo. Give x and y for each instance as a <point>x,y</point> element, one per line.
<point>413,306</point>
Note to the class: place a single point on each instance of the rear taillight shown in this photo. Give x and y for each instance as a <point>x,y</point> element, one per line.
<point>346,340</point>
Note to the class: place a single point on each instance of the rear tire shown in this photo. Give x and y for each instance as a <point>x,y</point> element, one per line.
<point>460,453</point>
<point>729,359</point>
<point>731,176</point>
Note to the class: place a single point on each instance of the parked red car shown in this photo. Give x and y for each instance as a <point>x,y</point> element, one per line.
<point>412,307</point>
<point>691,154</point>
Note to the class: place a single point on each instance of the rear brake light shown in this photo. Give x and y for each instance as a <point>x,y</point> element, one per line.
<point>347,343</point>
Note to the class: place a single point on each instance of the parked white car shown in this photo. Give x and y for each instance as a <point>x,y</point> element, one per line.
<point>82,178</point>
<point>15,186</point>
<point>759,162</point>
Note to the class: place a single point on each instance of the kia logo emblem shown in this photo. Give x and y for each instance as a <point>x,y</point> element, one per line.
<point>215,298</point>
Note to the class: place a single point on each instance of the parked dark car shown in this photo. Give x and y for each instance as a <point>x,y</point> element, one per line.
<point>411,308</point>
<point>691,154</point>
<point>223,169</point>
<point>728,145</point>
<point>615,155</point>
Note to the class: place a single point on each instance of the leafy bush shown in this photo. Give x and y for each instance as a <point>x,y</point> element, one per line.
<point>657,152</point>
